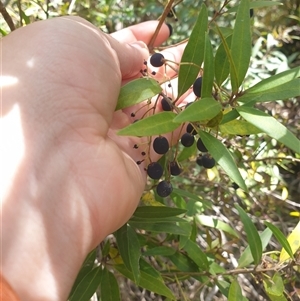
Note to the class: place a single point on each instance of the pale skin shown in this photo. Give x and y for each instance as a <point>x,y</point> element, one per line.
<point>67,180</point>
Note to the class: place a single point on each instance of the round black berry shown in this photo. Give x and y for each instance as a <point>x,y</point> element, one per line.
<point>208,162</point>
<point>175,169</point>
<point>164,188</point>
<point>190,129</point>
<point>201,147</point>
<point>199,161</point>
<point>156,60</point>
<point>235,186</point>
<point>197,86</point>
<point>165,103</point>
<point>187,139</point>
<point>161,145</point>
<point>155,170</point>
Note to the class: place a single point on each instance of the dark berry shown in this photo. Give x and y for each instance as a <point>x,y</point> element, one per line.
<point>165,103</point>
<point>197,86</point>
<point>164,188</point>
<point>235,186</point>
<point>190,129</point>
<point>175,169</point>
<point>251,12</point>
<point>153,73</point>
<point>156,60</point>
<point>155,170</point>
<point>161,145</point>
<point>208,162</point>
<point>187,139</point>
<point>199,161</point>
<point>201,147</point>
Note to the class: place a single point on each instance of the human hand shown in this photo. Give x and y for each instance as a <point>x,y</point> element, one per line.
<point>69,180</point>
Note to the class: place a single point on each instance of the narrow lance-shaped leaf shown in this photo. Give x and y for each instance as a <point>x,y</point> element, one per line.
<point>270,126</point>
<point>240,45</point>
<point>109,287</point>
<point>193,53</point>
<point>235,292</point>
<point>253,238</point>
<point>137,91</point>
<point>160,123</point>
<point>223,157</point>
<point>157,212</point>
<point>208,69</point>
<point>294,241</point>
<point>201,110</point>
<point>148,281</point>
<point>281,238</point>
<point>197,255</point>
<point>222,65</point>
<point>87,286</point>
<point>129,248</point>
<point>256,4</point>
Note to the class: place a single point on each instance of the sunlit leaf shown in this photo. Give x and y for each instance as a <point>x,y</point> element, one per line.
<point>130,250</point>
<point>246,257</point>
<point>87,286</point>
<point>275,288</point>
<point>201,110</point>
<point>193,53</point>
<point>253,238</point>
<point>211,222</point>
<point>160,123</point>
<point>281,239</point>
<point>208,69</point>
<point>223,157</point>
<point>239,127</point>
<point>137,91</point>
<point>109,287</point>
<point>240,45</point>
<point>294,241</point>
<point>270,126</point>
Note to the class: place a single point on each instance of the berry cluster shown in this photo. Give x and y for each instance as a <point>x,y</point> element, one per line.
<point>160,144</point>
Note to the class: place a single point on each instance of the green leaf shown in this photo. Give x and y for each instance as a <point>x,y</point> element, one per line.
<point>211,222</point>
<point>270,126</point>
<point>208,69</point>
<point>193,53</point>
<point>275,288</point>
<point>86,267</point>
<point>137,91</point>
<point>148,281</point>
<point>222,65</point>
<point>130,250</point>
<point>87,286</point>
<point>235,292</point>
<point>160,123</point>
<point>229,116</point>
<point>202,110</point>
<point>254,240</point>
<point>240,45</point>
<point>223,157</point>
<point>187,152</point>
<point>158,227</point>
<point>239,127</point>
<point>157,212</point>
<point>256,4</point>
<point>183,263</point>
<point>280,92</point>
<point>246,257</point>
<point>161,251</point>
<point>281,238</point>
<point>197,255</point>
<point>109,287</point>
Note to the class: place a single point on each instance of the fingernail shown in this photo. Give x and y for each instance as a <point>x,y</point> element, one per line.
<point>170,28</point>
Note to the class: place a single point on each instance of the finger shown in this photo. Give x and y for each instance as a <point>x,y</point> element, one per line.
<point>143,32</point>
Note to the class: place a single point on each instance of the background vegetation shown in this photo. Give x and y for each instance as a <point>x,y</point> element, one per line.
<point>271,172</point>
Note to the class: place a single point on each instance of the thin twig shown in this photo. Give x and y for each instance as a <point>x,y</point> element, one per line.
<point>7,17</point>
